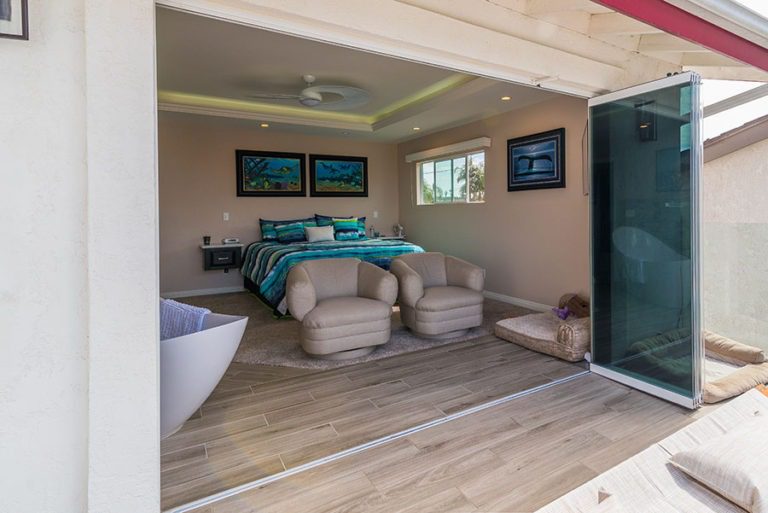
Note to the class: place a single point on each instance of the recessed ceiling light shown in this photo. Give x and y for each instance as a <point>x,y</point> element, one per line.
<point>416,129</point>
<point>264,125</point>
<point>506,98</point>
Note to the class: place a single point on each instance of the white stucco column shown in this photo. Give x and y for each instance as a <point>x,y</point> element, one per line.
<point>78,272</point>
<point>123,390</point>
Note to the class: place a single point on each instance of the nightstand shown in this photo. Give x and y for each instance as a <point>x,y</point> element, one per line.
<point>221,256</point>
<point>390,237</point>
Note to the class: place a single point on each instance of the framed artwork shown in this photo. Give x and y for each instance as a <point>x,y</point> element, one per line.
<point>270,173</point>
<point>14,19</point>
<point>536,161</point>
<point>331,175</point>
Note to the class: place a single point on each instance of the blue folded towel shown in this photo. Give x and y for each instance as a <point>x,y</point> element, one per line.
<point>178,319</point>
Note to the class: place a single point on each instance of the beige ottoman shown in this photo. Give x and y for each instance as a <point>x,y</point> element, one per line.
<point>547,333</point>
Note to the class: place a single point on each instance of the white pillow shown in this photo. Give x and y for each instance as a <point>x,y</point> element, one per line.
<point>734,465</point>
<point>319,233</point>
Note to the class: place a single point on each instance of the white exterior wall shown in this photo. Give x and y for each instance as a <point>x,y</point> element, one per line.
<point>735,245</point>
<point>78,272</point>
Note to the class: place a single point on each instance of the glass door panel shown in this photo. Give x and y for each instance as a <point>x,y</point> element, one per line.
<point>645,157</point>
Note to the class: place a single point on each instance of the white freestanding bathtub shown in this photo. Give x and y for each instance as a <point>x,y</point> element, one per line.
<point>191,366</point>
<point>659,275</point>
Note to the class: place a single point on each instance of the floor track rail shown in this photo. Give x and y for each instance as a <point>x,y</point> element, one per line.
<point>211,499</point>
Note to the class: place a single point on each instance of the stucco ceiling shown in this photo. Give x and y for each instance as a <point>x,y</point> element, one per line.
<point>210,67</point>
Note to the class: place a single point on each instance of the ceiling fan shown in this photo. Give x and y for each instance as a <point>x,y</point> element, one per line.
<point>326,97</point>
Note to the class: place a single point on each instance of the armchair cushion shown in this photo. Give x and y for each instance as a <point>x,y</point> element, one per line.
<point>411,286</point>
<point>333,277</point>
<point>373,282</point>
<point>342,311</point>
<point>300,293</point>
<point>440,299</point>
<point>461,273</point>
<point>430,266</point>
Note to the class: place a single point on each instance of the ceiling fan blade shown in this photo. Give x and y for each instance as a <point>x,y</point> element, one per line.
<point>274,96</point>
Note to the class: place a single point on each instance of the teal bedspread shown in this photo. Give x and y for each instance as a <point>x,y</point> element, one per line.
<point>266,264</point>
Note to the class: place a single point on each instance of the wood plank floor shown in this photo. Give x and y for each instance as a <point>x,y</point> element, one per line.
<point>514,457</point>
<point>263,420</point>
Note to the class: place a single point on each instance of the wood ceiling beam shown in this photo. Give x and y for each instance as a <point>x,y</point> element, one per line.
<point>546,32</point>
<point>666,43</point>
<point>536,7</point>
<point>708,59</point>
<point>615,23</point>
<point>746,73</point>
<point>676,21</point>
<point>736,100</point>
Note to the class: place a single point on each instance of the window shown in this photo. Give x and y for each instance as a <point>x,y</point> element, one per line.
<point>456,179</point>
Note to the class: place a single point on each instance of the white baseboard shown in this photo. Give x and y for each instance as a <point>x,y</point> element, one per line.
<point>517,301</point>
<point>200,292</point>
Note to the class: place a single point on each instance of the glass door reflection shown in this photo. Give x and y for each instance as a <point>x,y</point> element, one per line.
<point>645,155</point>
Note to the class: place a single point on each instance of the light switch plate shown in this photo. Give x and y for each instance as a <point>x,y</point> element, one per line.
<point>226,216</point>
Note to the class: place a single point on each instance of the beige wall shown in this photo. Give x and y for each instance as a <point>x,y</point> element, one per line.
<point>197,185</point>
<point>534,244</point>
<point>734,245</point>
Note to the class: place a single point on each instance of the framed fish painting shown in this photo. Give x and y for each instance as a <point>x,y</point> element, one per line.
<point>333,175</point>
<point>270,173</point>
<point>536,161</point>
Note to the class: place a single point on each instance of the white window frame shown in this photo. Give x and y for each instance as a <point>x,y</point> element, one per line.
<point>419,178</point>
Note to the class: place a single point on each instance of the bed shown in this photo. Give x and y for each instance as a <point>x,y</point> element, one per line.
<point>266,264</point>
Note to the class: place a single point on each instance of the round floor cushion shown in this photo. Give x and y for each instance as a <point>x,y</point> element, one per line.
<point>546,333</point>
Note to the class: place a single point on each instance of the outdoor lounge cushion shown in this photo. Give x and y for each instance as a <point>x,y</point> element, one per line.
<point>648,483</point>
<point>734,465</point>
<point>731,351</point>
<point>752,368</point>
<point>736,383</point>
<point>546,333</point>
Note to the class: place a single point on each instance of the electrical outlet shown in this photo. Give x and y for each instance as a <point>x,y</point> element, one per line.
<point>375,214</point>
<point>226,216</point>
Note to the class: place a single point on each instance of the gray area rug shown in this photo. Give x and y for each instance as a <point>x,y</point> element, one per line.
<point>270,341</point>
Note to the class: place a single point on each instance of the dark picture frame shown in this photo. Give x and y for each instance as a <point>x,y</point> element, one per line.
<point>270,173</point>
<point>536,161</point>
<point>9,9</point>
<point>338,176</point>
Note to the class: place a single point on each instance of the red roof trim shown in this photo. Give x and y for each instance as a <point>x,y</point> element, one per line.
<point>690,27</point>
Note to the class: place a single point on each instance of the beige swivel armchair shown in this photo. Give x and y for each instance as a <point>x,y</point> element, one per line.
<point>440,296</point>
<point>344,306</point>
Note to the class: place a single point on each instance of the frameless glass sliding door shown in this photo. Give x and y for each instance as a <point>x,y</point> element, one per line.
<point>645,158</point>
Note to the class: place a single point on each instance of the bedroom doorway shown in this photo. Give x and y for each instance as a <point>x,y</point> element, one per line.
<point>278,411</point>
<point>272,421</point>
